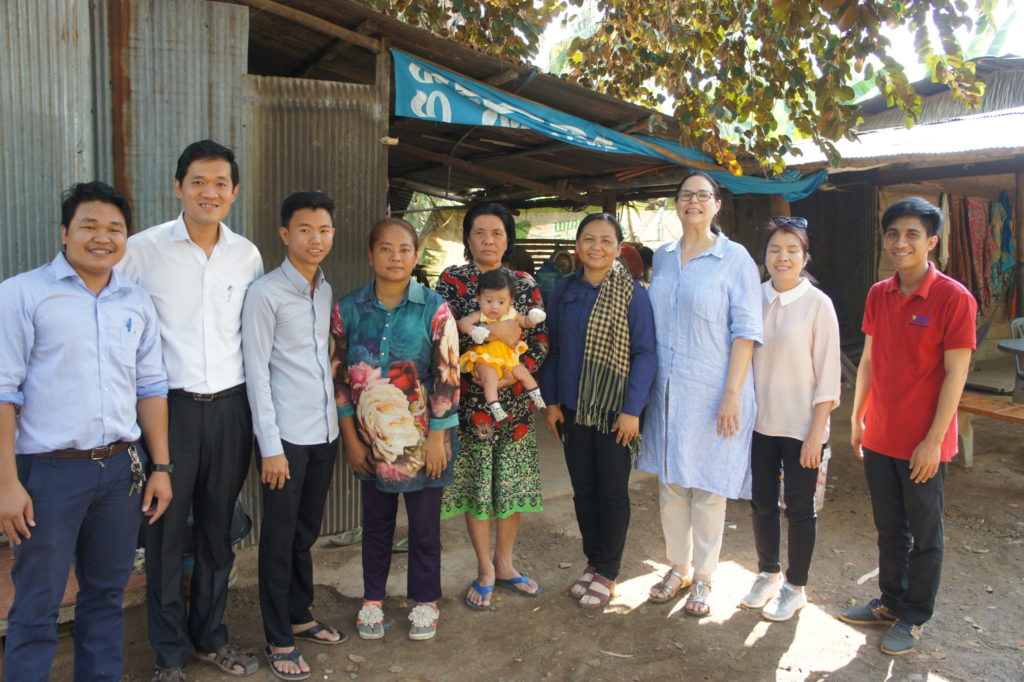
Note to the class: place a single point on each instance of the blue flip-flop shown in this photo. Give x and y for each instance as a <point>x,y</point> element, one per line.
<point>521,579</point>
<point>483,591</point>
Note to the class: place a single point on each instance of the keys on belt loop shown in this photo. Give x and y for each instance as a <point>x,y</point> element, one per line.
<point>138,472</point>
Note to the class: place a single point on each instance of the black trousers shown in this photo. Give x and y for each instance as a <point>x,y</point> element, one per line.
<point>599,470</point>
<point>290,527</point>
<point>211,445</point>
<point>423,507</point>
<point>770,456</point>
<point>908,517</point>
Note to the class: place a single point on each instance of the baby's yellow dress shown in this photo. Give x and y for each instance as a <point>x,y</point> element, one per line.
<point>496,354</point>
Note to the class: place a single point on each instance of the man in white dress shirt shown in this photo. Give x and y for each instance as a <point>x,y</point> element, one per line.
<point>197,271</point>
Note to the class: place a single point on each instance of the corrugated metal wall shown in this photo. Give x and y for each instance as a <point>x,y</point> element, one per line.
<point>177,75</point>
<point>306,134</point>
<point>46,103</point>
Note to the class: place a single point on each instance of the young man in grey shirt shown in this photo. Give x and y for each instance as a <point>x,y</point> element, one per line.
<point>285,343</point>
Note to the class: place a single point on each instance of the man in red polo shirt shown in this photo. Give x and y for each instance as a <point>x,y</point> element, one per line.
<point>919,334</point>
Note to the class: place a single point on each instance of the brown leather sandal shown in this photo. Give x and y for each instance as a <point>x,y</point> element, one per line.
<point>579,588</point>
<point>591,593</point>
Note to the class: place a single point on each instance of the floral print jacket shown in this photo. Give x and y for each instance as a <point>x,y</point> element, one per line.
<point>397,372</point>
<point>458,286</point>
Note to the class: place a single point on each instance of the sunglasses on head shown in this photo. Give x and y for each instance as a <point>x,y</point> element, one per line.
<point>793,221</point>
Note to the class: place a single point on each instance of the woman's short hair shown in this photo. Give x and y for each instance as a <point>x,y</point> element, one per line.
<point>506,220</point>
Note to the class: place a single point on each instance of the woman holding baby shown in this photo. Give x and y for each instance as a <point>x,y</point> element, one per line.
<point>497,475</point>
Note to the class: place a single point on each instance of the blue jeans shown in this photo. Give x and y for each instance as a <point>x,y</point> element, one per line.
<point>83,513</point>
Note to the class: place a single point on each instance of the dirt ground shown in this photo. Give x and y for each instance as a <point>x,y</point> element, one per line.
<point>976,634</point>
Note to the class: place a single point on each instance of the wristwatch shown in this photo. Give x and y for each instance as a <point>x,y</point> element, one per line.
<point>161,468</point>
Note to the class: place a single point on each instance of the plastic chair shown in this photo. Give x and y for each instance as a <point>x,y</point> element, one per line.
<point>1017,332</point>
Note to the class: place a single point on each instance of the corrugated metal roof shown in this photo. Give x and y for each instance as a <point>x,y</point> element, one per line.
<point>1001,131</point>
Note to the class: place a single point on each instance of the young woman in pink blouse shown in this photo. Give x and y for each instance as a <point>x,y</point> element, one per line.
<point>796,384</point>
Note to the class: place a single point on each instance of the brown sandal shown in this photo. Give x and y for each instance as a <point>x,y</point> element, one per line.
<point>579,588</point>
<point>229,656</point>
<point>602,599</point>
<point>669,592</point>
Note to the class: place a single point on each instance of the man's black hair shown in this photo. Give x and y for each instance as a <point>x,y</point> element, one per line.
<point>312,199</point>
<point>205,150</point>
<point>929,214</point>
<point>93,191</point>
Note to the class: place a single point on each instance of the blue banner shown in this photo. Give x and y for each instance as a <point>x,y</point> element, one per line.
<point>426,91</point>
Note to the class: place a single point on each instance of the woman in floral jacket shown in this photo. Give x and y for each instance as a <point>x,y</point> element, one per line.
<point>498,475</point>
<point>395,360</point>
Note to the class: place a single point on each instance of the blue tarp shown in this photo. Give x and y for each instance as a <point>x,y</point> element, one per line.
<point>424,90</point>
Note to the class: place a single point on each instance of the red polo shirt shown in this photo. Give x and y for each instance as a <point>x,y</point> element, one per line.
<point>909,336</point>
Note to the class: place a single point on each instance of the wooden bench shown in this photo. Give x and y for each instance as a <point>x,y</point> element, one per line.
<point>985,406</point>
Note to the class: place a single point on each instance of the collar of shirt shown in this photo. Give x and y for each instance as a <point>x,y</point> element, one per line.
<point>180,233</point>
<point>717,249</point>
<point>786,297</point>
<point>413,294</point>
<point>296,279</point>
<point>62,270</point>
<point>922,290</point>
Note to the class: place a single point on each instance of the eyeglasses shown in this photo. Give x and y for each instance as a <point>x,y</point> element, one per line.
<point>793,221</point>
<point>703,195</point>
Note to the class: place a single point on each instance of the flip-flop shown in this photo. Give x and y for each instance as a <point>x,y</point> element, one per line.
<point>352,536</point>
<point>483,591</point>
<point>520,579</point>
<point>292,656</point>
<point>310,634</point>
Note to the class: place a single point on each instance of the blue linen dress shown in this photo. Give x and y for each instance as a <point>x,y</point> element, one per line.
<point>699,310</point>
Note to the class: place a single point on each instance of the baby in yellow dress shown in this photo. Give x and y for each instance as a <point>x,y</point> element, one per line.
<point>490,360</point>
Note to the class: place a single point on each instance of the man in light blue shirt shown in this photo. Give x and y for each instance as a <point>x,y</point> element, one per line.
<point>80,372</point>
<point>285,342</point>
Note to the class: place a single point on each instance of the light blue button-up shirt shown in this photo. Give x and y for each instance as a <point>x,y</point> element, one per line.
<point>699,310</point>
<point>286,330</point>
<point>76,363</point>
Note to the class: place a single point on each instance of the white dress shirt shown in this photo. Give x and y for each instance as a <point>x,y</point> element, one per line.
<point>198,299</point>
<point>286,329</point>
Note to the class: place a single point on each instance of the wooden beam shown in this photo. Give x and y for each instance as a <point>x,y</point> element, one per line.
<point>502,77</point>
<point>315,23</point>
<point>961,170</point>
<point>468,167</point>
<point>336,49</point>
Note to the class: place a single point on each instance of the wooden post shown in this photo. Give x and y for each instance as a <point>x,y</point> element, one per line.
<point>609,203</point>
<point>779,206</point>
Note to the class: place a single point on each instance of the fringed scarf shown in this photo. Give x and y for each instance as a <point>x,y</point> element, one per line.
<point>605,373</point>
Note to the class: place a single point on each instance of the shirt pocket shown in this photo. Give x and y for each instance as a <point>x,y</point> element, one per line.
<point>708,302</point>
<point>229,308</point>
<point>128,343</point>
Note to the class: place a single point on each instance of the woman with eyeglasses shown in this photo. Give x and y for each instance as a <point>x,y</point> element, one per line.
<point>797,383</point>
<point>705,293</point>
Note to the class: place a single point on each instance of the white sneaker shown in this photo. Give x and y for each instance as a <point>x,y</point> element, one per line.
<point>765,586</point>
<point>786,603</point>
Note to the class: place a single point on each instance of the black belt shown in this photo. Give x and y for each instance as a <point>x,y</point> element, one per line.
<point>207,397</point>
<point>102,452</point>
